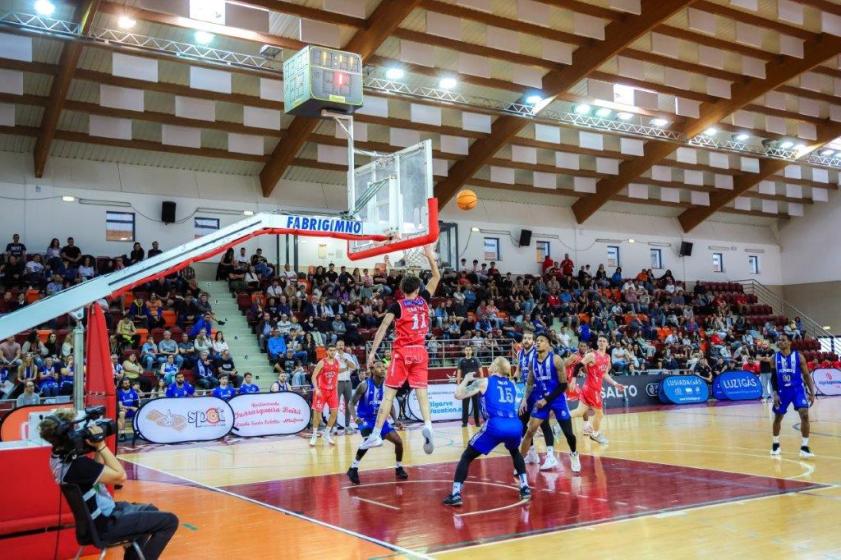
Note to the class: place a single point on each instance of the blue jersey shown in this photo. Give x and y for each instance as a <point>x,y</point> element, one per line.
<point>789,376</point>
<point>248,388</point>
<point>128,398</point>
<point>176,392</point>
<point>524,362</point>
<point>545,374</point>
<point>369,405</point>
<point>500,398</point>
<point>224,393</point>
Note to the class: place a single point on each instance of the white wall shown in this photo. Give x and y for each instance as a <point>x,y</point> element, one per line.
<point>33,208</point>
<point>811,245</point>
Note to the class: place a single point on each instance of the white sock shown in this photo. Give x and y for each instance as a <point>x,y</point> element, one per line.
<point>355,464</point>
<point>428,425</point>
<point>524,481</point>
<point>550,450</point>
<point>587,424</point>
<point>776,439</point>
<point>456,487</point>
<point>399,464</point>
<point>595,434</point>
<point>804,442</point>
<point>574,453</point>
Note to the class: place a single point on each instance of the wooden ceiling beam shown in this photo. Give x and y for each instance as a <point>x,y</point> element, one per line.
<point>306,12</point>
<point>691,218</point>
<point>754,19</point>
<point>385,19</point>
<point>70,54</point>
<point>815,52</point>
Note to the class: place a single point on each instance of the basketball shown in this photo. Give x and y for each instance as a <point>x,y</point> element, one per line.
<point>466,199</point>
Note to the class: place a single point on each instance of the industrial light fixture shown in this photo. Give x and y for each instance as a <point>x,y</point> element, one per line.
<point>659,122</point>
<point>603,112</point>
<point>827,153</point>
<point>447,83</point>
<point>534,99</point>
<point>787,145</point>
<point>827,328</point>
<point>67,198</point>
<point>271,51</point>
<point>126,22</point>
<point>203,37</point>
<point>712,131</point>
<point>248,212</point>
<point>632,241</point>
<point>474,229</point>
<point>742,137</point>
<point>625,116</point>
<point>582,109</point>
<point>44,7</point>
<point>801,147</point>
<point>394,73</point>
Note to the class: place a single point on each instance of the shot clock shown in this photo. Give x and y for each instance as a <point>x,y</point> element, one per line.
<point>318,78</point>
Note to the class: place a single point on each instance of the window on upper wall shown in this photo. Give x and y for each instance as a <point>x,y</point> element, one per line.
<point>203,226</point>
<point>543,250</point>
<point>657,259</point>
<point>753,263</point>
<point>119,226</point>
<point>492,249</point>
<point>613,256</point>
<point>718,262</point>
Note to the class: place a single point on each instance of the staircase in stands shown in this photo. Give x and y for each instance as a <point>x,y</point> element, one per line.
<point>243,343</point>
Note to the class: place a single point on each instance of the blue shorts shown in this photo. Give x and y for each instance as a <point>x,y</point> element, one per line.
<point>496,431</point>
<point>558,406</point>
<point>367,426</point>
<point>791,395</point>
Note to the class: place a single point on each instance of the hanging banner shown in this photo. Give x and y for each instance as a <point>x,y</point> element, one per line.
<point>737,386</point>
<point>169,420</point>
<point>269,414</point>
<point>442,403</point>
<point>827,381</point>
<point>683,389</point>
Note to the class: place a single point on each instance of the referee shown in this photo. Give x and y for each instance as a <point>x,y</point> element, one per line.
<point>469,364</point>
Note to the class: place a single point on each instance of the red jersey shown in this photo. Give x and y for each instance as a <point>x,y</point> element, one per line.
<point>411,323</point>
<point>329,375</point>
<point>572,386</point>
<point>597,370</point>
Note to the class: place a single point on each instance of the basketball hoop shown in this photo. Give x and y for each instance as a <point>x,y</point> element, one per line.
<point>414,258</point>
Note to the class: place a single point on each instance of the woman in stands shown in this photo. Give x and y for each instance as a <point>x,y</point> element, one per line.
<point>226,265</point>
<point>137,253</point>
<point>87,269</point>
<point>219,345</point>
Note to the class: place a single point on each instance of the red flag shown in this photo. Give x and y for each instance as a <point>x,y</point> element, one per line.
<point>99,378</point>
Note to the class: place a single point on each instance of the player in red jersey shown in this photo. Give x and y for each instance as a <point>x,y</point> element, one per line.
<point>572,365</point>
<point>410,361</point>
<point>598,368</point>
<point>325,393</point>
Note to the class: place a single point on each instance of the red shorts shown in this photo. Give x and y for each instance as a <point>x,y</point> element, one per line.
<point>410,363</point>
<point>592,396</point>
<point>573,391</point>
<point>326,397</point>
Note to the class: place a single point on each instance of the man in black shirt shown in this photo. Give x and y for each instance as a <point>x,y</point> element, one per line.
<point>469,364</point>
<point>16,248</point>
<point>71,254</point>
<point>154,251</point>
<point>765,355</point>
<point>113,520</point>
<point>225,365</point>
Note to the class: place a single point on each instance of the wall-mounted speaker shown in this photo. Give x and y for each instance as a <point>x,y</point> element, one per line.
<point>525,238</point>
<point>168,212</point>
<point>685,249</point>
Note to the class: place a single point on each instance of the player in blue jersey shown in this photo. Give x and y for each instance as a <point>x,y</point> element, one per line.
<point>128,401</point>
<point>364,406</point>
<point>502,426</point>
<point>224,391</point>
<point>525,357</point>
<point>548,378</point>
<point>790,382</point>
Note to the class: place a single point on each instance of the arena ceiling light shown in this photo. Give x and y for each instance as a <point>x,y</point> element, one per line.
<point>203,37</point>
<point>448,83</point>
<point>394,73</point>
<point>534,99</point>
<point>742,137</point>
<point>44,7</point>
<point>712,131</point>
<point>248,212</point>
<point>827,153</point>
<point>625,116</point>
<point>603,112</point>
<point>68,198</point>
<point>126,22</point>
<point>582,109</point>
<point>659,122</point>
<point>787,145</point>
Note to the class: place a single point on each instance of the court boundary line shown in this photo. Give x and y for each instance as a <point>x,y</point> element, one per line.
<point>373,540</point>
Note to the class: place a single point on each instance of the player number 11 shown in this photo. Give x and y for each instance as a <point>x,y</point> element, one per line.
<point>418,321</point>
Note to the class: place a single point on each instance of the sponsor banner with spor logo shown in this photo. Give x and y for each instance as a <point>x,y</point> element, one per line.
<point>737,386</point>
<point>683,389</point>
<point>168,420</point>
<point>827,381</point>
<point>269,414</point>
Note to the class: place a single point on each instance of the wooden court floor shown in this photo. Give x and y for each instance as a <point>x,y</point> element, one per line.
<point>685,482</point>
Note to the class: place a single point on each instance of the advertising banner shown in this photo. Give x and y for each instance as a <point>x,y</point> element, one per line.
<point>737,386</point>
<point>269,414</point>
<point>442,403</point>
<point>167,420</point>
<point>827,381</point>
<point>683,389</point>
<point>640,390</point>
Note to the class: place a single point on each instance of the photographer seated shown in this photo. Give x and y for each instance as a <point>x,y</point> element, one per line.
<point>114,521</point>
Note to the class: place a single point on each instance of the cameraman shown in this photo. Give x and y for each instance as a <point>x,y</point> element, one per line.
<point>114,520</point>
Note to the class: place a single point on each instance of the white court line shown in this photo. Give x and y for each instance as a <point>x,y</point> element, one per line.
<point>509,506</point>
<point>390,546</point>
<point>395,508</point>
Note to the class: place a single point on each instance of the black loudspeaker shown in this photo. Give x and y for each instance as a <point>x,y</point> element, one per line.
<point>525,238</point>
<point>167,212</point>
<point>685,249</point>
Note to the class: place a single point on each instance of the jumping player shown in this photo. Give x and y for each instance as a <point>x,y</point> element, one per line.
<point>546,378</point>
<point>499,407</point>
<point>525,356</point>
<point>598,365</point>
<point>410,360</point>
<point>325,387</point>
<point>790,375</point>
<point>364,406</point>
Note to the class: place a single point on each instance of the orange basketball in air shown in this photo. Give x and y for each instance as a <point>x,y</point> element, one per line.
<point>466,199</point>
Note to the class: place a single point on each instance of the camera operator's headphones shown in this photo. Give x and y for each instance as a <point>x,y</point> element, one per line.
<point>63,427</point>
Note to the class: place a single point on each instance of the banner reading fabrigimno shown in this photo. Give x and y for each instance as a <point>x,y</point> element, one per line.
<point>269,414</point>
<point>169,420</point>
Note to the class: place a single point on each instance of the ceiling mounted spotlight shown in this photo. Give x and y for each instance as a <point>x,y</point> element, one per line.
<point>603,112</point>
<point>625,116</point>
<point>395,73</point>
<point>533,99</point>
<point>447,83</point>
<point>203,37</point>
<point>582,109</point>
<point>742,137</point>
<point>659,122</point>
